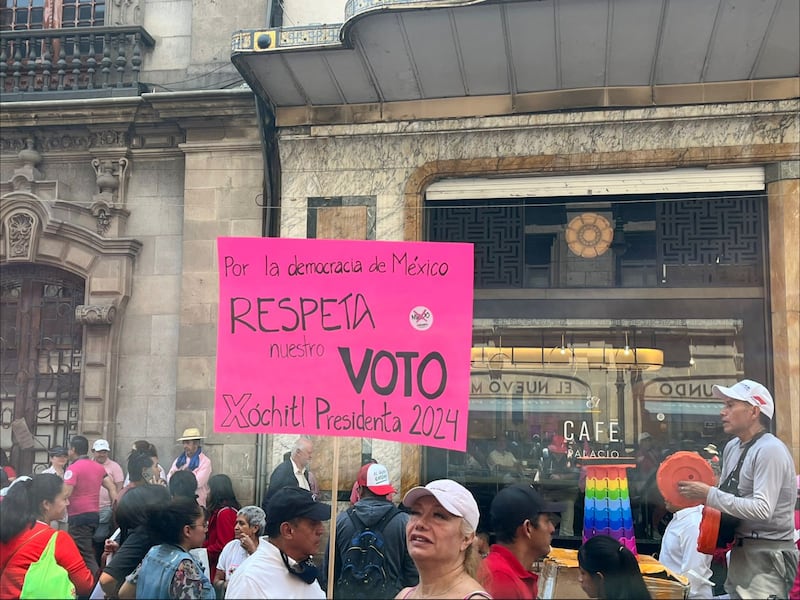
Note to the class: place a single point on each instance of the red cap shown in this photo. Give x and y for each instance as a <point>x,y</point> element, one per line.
<point>375,477</point>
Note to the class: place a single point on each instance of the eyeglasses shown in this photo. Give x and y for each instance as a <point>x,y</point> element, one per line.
<point>204,526</point>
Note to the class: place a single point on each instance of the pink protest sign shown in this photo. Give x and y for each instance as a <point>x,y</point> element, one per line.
<point>348,338</point>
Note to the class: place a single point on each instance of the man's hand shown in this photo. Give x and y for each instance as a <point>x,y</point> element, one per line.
<point>694,490</point>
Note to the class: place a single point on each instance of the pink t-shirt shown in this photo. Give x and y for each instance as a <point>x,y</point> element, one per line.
<point>86,477</point>
<point>117,476</point>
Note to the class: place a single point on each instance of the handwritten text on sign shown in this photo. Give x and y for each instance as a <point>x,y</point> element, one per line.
<point>350,338</point>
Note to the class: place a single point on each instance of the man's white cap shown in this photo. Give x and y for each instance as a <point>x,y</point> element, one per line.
<point>454,497</point>
<point>101,445</point>
<point>748,391</point>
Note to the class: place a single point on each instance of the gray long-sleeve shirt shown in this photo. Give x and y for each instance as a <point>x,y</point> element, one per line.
<point>767,486</point>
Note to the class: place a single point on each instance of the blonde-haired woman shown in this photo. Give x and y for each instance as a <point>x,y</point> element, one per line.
<point>439,534</point>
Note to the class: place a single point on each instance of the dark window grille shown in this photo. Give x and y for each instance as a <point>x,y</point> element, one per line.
<point>40,358</point>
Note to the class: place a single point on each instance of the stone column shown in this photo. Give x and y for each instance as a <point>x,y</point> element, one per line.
<point>783,201</point>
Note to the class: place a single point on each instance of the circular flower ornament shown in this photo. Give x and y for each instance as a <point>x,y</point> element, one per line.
<point>589,235</point>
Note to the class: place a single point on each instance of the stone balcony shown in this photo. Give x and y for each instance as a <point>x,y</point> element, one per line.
<point>90,62</point>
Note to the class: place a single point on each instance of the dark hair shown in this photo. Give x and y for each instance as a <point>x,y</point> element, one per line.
<point>80,444</point>
<point>621,579</point>
<point>22,505</point>
<point>765,421</point>
<point>220,493</point>
<point>166,523</point>
<point>137,463</point>
<point>137,504</point>
<point>145,447</point>
<point>183,484</point>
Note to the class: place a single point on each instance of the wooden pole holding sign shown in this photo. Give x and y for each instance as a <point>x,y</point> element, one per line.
<point>334,514</point>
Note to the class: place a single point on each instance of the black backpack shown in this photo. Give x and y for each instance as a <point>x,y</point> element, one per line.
<point>363,574</point>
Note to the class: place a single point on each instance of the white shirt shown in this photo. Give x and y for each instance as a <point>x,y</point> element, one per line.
<point>300,475</point>
<point>263,575</point>
<point>232,555</point>
<point>679,552</point>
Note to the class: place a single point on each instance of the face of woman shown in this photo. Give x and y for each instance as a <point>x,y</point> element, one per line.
<point>55,510</point>
<point>589,584</point>
<point>433,533</point>
<point>243,528</point>
<point>59,462</point>
<point>195,534</point>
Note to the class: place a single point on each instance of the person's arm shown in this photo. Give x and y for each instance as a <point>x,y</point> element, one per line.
<point>187,582</point>
<point>203,472</point>
<point>109,585</point>
<point>69,557</point>
<point>119,478</point>
<point>108,483</point>
<point>173,469</point>
<point>767,482</point>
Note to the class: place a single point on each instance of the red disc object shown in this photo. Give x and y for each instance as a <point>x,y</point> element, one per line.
<point>709,530</point>
<point>682,466</point>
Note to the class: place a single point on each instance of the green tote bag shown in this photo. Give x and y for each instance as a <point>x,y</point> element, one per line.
<point>46,579</point>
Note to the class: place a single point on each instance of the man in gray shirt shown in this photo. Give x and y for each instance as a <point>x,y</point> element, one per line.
<point>764,557</point>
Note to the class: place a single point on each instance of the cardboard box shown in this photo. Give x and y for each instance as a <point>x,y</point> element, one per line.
<point>559,578</point>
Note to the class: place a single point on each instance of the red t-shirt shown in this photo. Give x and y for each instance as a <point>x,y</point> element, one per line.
<point>220,532</point>
<point>503,576</point>
<point>86,477</point>
<point>26,548</point>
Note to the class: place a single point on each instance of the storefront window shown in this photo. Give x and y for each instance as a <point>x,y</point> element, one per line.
<point>559,375</point>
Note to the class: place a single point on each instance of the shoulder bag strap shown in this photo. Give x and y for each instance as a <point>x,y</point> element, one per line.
<point>23,544</point>
<point>732,481</point>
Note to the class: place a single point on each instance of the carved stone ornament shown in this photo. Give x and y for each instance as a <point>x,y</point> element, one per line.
<point>100,139</point>
<point>102,213</point>
<point>95,314</point>
<point>21,227</point>
<point>111,180</point>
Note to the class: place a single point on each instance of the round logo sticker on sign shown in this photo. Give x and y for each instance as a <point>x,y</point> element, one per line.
<point>421,318</point>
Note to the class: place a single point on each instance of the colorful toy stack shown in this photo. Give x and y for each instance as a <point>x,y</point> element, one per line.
<point>607,510</point>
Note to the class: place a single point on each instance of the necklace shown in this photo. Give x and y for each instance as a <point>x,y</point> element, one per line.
<point>442,593</point>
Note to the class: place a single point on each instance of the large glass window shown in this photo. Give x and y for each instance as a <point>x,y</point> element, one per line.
<point>599,330</point>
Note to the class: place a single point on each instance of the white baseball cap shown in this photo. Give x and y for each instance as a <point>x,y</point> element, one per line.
<point>748,391</point>
<point>454,497</point>
<point>101,445</point>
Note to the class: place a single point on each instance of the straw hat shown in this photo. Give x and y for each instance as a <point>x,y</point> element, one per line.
<point>192,433</point>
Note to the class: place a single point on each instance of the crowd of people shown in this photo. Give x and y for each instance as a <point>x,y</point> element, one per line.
<point>184,534</point>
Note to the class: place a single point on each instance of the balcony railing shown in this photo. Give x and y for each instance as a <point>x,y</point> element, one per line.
<point>89,61</point>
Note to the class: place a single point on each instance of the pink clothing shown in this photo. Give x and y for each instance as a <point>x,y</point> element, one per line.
<point>117,476</point>
<point>202,473</point>
<point>86,477</point>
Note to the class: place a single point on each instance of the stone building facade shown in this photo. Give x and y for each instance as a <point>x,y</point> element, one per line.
<point>112,198</point>
<point>117,196</point>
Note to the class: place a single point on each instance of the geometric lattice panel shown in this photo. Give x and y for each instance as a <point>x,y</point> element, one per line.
<point>711,232</point>
<point>496,231</point>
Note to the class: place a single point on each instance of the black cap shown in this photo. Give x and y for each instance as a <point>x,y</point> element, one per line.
<point>514,504</point>
<point>291,502</point>
<point>58,451</point>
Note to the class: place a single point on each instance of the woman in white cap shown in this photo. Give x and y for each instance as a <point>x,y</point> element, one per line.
<point>439,534</point>
<point>193,459</point>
